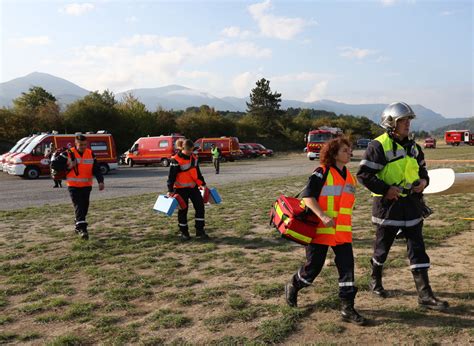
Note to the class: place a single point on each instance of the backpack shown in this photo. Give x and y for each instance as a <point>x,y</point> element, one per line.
<point>294,221</point>
<point>58,164</point>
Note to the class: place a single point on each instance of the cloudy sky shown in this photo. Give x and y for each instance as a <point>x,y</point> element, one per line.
<point>348,51</point>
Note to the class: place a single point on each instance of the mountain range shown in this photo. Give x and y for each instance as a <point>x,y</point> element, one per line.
<point>179,97</point>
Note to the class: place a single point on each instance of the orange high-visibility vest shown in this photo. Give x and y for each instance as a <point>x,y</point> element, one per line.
<point>187,177</point>
<point>337,200</point>
<point>85,164</point>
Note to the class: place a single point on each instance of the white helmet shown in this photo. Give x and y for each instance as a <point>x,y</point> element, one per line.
<point>394,112</point>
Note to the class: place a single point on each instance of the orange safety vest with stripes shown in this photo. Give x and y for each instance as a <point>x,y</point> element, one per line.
<point>337,200</point>
<point>188,176</point>
<point>81,175</point>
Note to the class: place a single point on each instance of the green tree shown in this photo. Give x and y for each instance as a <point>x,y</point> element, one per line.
<point>166,122</point>
<point>11,128</point>
<point>33,99</point>
<point>205,122</point>
<point>97,111</point>
<point>37,111</point>
<point>264,106</point>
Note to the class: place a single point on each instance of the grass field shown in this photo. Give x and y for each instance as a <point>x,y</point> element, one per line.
<point>135,282</point>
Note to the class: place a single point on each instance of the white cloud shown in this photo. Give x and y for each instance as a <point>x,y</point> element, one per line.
<point>244,82</point>
<point>152,60</point>
<point>382,59</point>
<point>206,52</point>
<point>356,53</point>
<point>195,74</point>
<point>31,41</point>
<point>77,9</point>
<point>301,76</point>
<point>284,28</point>
<point>447,13</point>
<point>143,40</point>
<point>131,19</point>
<point>236,32</point>
<point>317,92</point>
<point>388,2</point>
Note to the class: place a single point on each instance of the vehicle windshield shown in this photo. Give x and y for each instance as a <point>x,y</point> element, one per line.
<point>319,137</point>
<point>17,145</point>
<point>31,145</point>
<point>261,147</point>
<point>24,145</point>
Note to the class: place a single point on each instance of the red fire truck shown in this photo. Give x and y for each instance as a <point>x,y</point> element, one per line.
<point>316,138</point>
<point>456,137</point>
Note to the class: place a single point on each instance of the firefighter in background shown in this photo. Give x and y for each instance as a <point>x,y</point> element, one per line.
<point>216,157</point>
<point>48,154</point>
<point>83,166</point>
<point>185,178</point>
<point>394,169</point>
<point>330,194</point>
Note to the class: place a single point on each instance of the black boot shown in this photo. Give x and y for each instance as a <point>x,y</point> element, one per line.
<point>201,234</point>
<point>81,230</point>
<point>349,314</point>
<point>184,234</point>
<point>426,297</point>
<point>291,295</point>
<point>84,234</point>
<point>376,282</point>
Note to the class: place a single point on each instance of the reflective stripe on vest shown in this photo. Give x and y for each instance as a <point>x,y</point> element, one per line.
<point>187,177</point>
<point>84,169</point>
<point>401,169</point>
<point>336,200</point>
<point>85,161</point>
<point>178,184</point>
<point>79,179</point>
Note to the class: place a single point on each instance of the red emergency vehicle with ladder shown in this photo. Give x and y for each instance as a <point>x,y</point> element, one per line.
<point>316,138</point>
<point>456,137</point>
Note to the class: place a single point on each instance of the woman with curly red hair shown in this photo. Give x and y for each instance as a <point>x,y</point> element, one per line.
<point>330,194</point>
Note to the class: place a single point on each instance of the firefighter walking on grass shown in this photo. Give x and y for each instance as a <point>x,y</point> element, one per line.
<point>185,178</point>
<point>330,194</point>
<point>394,169</point>
<point>82,166</point>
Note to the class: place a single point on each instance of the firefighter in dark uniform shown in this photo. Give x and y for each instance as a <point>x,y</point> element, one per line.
<point>394,170</point>
<point>330,194</point>
<point>185,178</point>
<point>83,166</point>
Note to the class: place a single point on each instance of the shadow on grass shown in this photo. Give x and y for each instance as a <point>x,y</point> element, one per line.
<point>254,243</point>
<point>415,318</point>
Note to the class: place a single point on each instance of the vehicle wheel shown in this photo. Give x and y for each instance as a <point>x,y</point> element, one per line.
<point>31,173</point>
<point>223,159</point>
<point>311,158</point>
<point>165,162</point>
<point>104,168</point>
<point>130,163</point>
